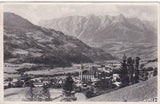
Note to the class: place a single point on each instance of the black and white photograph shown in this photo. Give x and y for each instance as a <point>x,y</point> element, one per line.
<point>80,52</point>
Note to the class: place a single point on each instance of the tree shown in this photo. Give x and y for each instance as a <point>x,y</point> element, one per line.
<point>103,84</point>
<point>38,93</point>
<point>90,92</point>
<point>137,62</point>
<point>137,69</point>
<point>30,93</point>
<point>46,93</point>
<point>130,69</point>
<point>124,72</point>
<point>68,85</point>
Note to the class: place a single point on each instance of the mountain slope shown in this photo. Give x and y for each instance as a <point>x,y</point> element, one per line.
<point>110,33</point>
<point>142,91</point>
<point>146,51</point>
<point>25,42</point>
<point>97,28</point>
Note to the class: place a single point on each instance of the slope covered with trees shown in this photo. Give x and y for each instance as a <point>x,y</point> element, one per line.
<point>25,42</point>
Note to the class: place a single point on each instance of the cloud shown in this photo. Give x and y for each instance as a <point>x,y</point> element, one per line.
<point>144,12</point>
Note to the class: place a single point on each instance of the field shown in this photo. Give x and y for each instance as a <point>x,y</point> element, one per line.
<point>138,92</point>
<point>15,94</point>
<point>19,94</point>
<point>51,71</point>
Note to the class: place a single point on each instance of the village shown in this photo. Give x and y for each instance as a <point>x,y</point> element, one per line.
<point>89,79</point>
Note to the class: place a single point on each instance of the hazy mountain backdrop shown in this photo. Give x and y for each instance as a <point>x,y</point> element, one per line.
<point>114,34</point>
<point>26,42</point>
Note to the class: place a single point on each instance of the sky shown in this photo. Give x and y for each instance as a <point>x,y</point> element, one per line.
<point>36,12</point>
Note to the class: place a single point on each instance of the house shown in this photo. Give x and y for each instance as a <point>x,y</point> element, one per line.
<point>150,73</point>
<point>38,84</point>
<point>116,80</point>
<point>36,79</point>
<point>116,77</point>
<point>147,72</point>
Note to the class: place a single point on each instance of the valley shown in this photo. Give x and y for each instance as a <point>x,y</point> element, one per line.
<point>94,51</point>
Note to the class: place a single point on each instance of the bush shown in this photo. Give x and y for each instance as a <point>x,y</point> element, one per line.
<point>89,93</point>
<point>103,84</point>
<point>38,94</point>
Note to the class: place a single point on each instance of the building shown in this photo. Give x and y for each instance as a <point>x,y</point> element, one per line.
<point>86,74</point>
<point>38,84</point>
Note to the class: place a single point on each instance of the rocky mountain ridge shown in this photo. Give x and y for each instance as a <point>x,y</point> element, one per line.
<point>114,34</point>
<point>98,30</point>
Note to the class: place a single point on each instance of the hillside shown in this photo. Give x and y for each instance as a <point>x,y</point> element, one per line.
<point>138,92</point>
<point>114,34</point>
<point>146,51</point>
<point>25,42</point>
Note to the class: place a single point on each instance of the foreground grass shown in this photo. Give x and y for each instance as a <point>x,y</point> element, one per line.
<point>138,92</point>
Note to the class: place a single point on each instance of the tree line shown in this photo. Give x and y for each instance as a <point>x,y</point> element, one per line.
<point>129,71</point>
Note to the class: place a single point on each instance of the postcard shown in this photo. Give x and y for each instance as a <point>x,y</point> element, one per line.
<point>79,52</point>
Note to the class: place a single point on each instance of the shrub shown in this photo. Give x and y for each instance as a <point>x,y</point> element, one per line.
<point>89,93</point>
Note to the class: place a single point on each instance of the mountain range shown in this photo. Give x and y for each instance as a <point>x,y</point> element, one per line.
<point>25,42</point>
<point>114,34</point>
